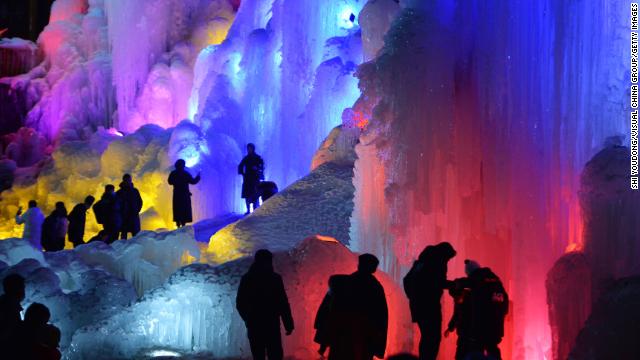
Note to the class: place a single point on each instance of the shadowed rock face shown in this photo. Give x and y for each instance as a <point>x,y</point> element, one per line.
<point>612,330</point>
<point>569,299</point>
<point>611,215</point>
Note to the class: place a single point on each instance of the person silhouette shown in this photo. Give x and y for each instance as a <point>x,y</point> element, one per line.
<point>36,319</point>
<point>353,318</point>
<point>10,308</point>
<point>252,170</point>
<point>181,179</point>
<point>54,229</point>
<point>490,305</point>
<point>108,211</point>
<point>77,220</point>
<point>131,205</point>
<point>262,302</point>
<point>424,285</point>
<point>32,220</point>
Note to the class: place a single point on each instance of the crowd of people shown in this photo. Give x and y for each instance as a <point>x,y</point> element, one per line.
<point>31,338</point>
<point>352,320</point>
<point>118,212</point>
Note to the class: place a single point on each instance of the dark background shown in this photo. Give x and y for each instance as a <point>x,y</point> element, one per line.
<point>24,18</point>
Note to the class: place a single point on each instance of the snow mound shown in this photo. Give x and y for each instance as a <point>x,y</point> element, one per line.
<point>320,203</point>
<point>194,311</point>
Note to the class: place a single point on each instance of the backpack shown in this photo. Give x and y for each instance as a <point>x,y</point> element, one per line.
<point>100,210</point>
<point>411,281</point>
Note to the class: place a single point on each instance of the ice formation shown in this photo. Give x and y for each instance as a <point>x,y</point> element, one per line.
<point>469,135</point>
<point>318,204</point>
<point>95,281</point>
<point>279,82</point>
<point>478,136</point>
<point>194,312</point>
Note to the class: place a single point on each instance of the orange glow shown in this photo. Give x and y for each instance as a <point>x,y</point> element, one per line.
<point>360,120</point>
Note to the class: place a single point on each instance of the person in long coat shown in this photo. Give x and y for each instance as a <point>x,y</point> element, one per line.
<point>131,207</point>
<point>181,179</point>
<point>252,170</point>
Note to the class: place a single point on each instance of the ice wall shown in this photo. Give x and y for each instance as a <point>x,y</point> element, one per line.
<point>193,313</point>
<point>477,136</point>
<point>280,80</point>
<point>153,46</point>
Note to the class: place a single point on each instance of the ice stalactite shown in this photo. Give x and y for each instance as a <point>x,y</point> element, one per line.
<point>152,51</point>
<point>278,82</point>
<point>478,137</point>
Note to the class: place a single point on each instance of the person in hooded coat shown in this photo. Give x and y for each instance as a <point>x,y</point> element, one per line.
<point>353,318</point>
<point>32,220</point>
<point>424,286</point>
<point>181,179</point>
<point>262,303</point>
<point>54,229</point>
<point>131,206</point>
<point>77,221</point>
<point>252,170</point>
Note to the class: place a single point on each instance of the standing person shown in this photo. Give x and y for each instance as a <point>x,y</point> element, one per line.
<point>10,308</point>
<point>461,321</point>
<point>54,229</point>
<point>108,213</point>
<point>489,306</point>
<point>181,179</point>
<point>32,220</point>
<point>131,206</point>
<point>252,170</point>
<point>262,302</point>
<point>353,318</point>
<point>77,221</point>
<point>424,285</point>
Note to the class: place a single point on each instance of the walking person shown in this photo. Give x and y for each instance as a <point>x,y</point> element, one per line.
<point>424,286</point>
<point>181,179</point>
<point>262,303</point>
<point>252,170</point>
<point>54,229</point>
<point>353,318</point>
<point>131,206</point>
<point>32,220</point>
<point>77,221</point>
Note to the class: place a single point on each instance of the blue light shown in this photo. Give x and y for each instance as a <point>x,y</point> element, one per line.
<point>347,18</point>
